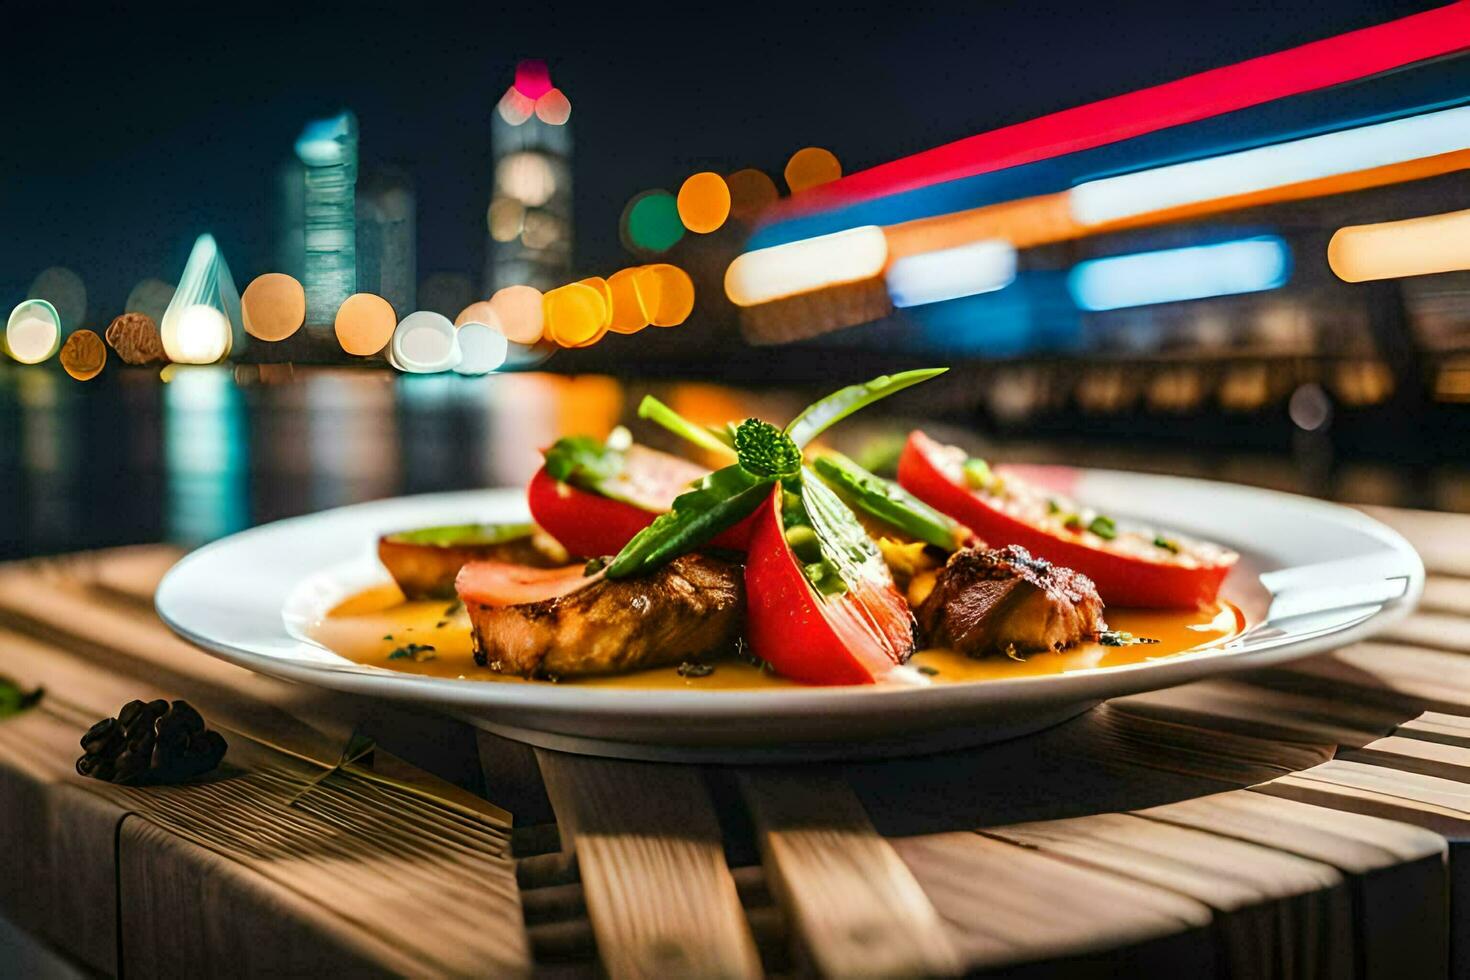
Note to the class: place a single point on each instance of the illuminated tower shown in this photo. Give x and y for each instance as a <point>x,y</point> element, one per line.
<point>530,214</point>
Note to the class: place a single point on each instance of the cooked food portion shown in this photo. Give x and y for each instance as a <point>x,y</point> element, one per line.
<point>590,624</point>
<point>1004,601</point>
<point>1131,565</point>
<point>424,562</point>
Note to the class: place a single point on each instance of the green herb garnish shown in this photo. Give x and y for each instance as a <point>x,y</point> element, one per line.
<point>765,457</point>
<point>887,501</point>
<point>13,700</point>
<point>978,475</point>
<point>1121,638</point>
<point>593,566</point>
<point>765,450</point>
<point>822,415</point>
<point>1168,544</point>
<point>928,671</point>
<point>691,669</point>
<point>417,652</point>
<point>453,608</point>
<point>1103,527</point>
<point>463,535</point>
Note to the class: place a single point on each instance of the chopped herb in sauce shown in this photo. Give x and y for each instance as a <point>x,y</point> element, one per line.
<point>1103,527</point>
<point>441,624</point>
<point>927,671</point>
<point>453,608</point>
<point>1122,638</point>
<point>690,669</point>
<point>417,652</point>
<point>388,636</point>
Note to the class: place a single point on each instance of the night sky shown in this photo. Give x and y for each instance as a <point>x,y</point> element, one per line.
<point>128,130</point>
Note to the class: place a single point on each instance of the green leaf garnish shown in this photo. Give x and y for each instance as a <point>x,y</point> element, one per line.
<point>1168,544</point>
<point>656,411</point>
<point>13,700</point>
<point>464,535</point>
<point>887,501</point>
<point>822,415</point>
<point>719,501</point>
<point>844,541</point>
<point>765,450</point>
<point>1103,527</point>
<point>582,461</point>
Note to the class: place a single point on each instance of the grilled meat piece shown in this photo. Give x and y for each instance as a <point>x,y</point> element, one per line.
<point>692,606</point>
<point>1002,600</point>
<point>427,571</point>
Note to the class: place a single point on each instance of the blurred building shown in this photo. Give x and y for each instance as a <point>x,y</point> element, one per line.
<point>530,212</point>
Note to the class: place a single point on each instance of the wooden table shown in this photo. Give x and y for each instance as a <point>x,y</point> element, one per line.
<point>1310,820</point>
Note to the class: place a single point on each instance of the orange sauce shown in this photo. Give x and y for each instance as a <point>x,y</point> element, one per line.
<point>368,627</point>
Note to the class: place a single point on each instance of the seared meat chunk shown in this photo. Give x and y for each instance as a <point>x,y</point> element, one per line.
<point>690,607</point>
<point>1002,600</point>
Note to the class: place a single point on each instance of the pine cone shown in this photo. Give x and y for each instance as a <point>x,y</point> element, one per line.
<point>153,743</point>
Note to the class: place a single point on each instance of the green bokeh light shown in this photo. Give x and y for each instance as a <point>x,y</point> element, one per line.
<point>652,221</point>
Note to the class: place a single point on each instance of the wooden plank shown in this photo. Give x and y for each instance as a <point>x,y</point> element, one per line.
<point>1007,907</point>
<point>858,909</point>
<point>1395,871</point>
<point>1277,914</point>
<point>82,898</point>
<point>659,894</point>
<point>1437,726</point>
<point>1434,630</point>
<point>1438,537</point>
<point>1446,594</point>
<point>1254,709</point>
<point>1391,674</point>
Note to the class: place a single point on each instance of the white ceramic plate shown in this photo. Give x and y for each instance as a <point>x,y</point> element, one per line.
<point>1312,576</point>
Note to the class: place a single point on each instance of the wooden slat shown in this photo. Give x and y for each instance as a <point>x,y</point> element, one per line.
<point>1396,872</point>
<point>1388,674</point>
<point>1438,537</point>
<point>1446,594</point>
<point>1007,906</point>
<point>1253,709</point>
<point>857,906</point>
<point>1278,915</point>
<point>646,841</point>
<point>1432,630</point>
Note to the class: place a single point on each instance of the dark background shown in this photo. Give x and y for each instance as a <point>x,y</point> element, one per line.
<point>131,128</point>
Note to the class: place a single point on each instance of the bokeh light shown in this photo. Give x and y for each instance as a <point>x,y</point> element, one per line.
<point>150,297</point>
<point>651,222</point>
<point>199,334</point>
<point>424,343</point>
<point>704,202</point>
<point>522,313</point>
<point>554,108</point>
<point>65,291</point>
<point>527,177</point>
<point>811,167</point>
<point>365,324</point>
<point>506,218</point>
<point>482,348</point>
<point>627,312</point>
<point>514,107</point>
<point>532,78</point>
<point>575,314</point>
<point>542,230</point>
<point>479,312</point>
<point>1395,249</point>
<point>33,331</point>
<point>751,192</point>
<point>666,294</point>
<point>806,265</point>
<point>273,306</point>
<point>83,355</point>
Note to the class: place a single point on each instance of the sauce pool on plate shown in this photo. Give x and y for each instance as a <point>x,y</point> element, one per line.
<point>377,628</point>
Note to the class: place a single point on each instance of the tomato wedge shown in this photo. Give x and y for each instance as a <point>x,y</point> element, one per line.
<point>499,583</point>
<point>1128,570</point>
<point>853,638</point>
<point>594,525</point>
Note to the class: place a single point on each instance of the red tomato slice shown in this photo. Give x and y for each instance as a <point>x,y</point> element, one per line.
<point>1124,577</point>
<point>499,583</point>
<point>594,526</point>
<point>855,638</point>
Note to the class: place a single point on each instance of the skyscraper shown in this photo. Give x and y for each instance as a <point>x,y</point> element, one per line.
<point>530,212</point>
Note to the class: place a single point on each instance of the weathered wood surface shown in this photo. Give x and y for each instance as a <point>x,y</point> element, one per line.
<point>1309,820</point>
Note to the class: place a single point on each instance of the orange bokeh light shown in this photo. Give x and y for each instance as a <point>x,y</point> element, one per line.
<point>810,167</point>
<point>704,202</point>
<point>751,192</point>
<point>554,108</point>
<point>666,294</point>
<point>575,314</point>
<point>627,312</point>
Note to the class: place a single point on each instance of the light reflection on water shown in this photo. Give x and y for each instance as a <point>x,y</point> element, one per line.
<point>130,459</point>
